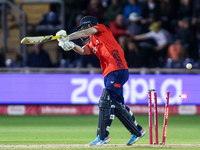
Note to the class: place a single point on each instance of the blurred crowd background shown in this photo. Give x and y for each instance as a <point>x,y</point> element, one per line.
<point>152,33</point>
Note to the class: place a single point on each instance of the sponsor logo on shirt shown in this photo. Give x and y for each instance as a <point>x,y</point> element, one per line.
<point>118,60</point>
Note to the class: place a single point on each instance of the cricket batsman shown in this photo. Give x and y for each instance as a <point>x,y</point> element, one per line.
<point>115,71</point>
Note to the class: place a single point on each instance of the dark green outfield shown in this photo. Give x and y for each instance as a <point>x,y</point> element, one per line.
<point>82,129</point>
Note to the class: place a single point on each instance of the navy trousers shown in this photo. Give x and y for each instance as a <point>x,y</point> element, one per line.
<point>114,82</point>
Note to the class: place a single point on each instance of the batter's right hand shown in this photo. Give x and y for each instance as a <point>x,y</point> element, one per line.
<point>66,45</point>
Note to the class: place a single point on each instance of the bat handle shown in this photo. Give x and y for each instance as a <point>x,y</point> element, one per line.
<point>58,37</point>
<point>64,38</point>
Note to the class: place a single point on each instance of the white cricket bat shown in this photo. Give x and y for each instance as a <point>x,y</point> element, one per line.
<point>39,39</point>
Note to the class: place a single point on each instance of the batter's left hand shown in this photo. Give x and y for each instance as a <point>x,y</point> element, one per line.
<point>63,34</point>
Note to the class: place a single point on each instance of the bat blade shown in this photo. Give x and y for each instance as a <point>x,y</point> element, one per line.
<point>39,39</point>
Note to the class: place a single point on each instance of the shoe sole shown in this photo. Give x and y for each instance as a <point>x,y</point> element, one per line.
<point>107,141</point>
<point>133,142</point>
<point>137,139</point>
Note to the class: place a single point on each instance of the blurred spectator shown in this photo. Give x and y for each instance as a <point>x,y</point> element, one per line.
<point>185,9</point>
<point>2,59</point>
<point>19,62</point>
<point>150,10</point>
<point>167,14</point>
<point>88,61</point>
<point>52,17</point>
<point>176,52</point>
<point>122,42</point>
<point>118,28</point>
<point>49,20</point>
<point>105,3</point>
<point>198,44</point>
<point>79,4</point>
<point>196,15</point>
<point>96,9</point>
<point>133,55</point>
<point>112,11</point>
<point>72,9</point>
<point>39,57</point>
<point>135,26</point>
<point>155,53</point>
<point>133,6</point>
<point>123,3</point>
<point>185,37</point>
<point>196,9</point>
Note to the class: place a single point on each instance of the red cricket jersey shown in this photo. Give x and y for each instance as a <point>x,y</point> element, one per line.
<point>106,48</point>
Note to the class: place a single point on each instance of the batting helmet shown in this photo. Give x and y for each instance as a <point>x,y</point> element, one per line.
<point>87,20</point>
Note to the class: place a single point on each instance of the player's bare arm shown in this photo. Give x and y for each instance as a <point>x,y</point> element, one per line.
<point>140,37</point>
<point>85,50</point>
<point>83,33</point>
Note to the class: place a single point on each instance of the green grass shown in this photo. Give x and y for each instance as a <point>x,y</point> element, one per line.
<point>82,130</point>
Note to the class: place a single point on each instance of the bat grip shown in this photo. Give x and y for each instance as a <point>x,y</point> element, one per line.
<point>65,38</point>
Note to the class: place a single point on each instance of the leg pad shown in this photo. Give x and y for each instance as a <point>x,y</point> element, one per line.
<point>104,113</point>
<point>126,119</point>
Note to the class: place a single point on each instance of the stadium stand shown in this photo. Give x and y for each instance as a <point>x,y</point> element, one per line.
<point>31,12</point>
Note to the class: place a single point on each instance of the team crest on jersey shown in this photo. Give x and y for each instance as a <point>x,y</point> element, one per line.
<point>94,49</point>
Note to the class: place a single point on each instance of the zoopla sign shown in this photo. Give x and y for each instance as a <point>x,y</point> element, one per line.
<point>135,90</point>
<point>87,88</point>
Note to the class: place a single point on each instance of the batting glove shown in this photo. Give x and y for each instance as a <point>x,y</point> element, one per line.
<point>63,34</point>
<point>66,45</point>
